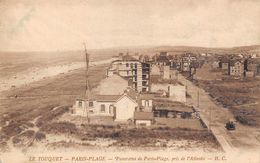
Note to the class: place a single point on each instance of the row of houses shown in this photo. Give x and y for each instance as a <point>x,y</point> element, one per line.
<point>134,91</point>
<point>239,67</point>
<point>131,106</point>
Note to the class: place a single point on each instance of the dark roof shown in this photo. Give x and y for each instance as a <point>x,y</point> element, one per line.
<point>162,58</point>
<point>253,61</point>
<point>171,106</point>
<point>233,62</point>
<point>224,59</point>
<point>143,116</point>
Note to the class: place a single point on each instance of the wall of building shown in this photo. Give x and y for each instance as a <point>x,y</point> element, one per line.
<point>155,70</point>
<point>177,93</point>
<point>143,122</point>
<point>125,109</point>
<point>93,111</point>
<point>166,72</point>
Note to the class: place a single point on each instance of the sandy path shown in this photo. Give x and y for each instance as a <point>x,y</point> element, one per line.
<point>36,74</point>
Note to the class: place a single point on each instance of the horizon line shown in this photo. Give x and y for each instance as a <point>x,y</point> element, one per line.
<point>130,47</point>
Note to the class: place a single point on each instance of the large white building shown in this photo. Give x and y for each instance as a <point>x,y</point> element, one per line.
<point>136,72</point>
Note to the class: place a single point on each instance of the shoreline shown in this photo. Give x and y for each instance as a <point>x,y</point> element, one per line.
<point>36,74</point>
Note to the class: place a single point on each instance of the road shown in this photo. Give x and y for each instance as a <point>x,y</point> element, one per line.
<point>214,116</point>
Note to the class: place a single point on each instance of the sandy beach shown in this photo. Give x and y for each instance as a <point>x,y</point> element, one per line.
<point>35,74</point>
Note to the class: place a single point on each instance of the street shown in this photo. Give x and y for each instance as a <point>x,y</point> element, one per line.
<point>215,117</point>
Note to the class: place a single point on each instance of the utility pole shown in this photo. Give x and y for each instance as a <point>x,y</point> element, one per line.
<point>210,113</point>
<point>198,98</point>
<point>87,88</point>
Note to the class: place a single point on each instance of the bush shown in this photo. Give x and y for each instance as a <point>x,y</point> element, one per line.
<point>39,136</point>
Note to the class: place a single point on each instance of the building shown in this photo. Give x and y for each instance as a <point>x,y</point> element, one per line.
<point>170,109</point>
<point>155,70</point>
<point>136,72</point>
<point>171,88</point>
<point>187,61</point>
<point>120,107</point>
<point>166,72</point>
<point>163,59</point>
<point>224,63</point>
<point>145,102</point>
<point>252,67</point>
<point>143,118</point>
<point>236,68</point>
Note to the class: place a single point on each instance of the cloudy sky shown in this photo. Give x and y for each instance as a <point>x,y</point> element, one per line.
<point>35,25</point>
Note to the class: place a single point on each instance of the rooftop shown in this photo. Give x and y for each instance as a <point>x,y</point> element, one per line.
<point>171,106</point>
<point>143,116</point>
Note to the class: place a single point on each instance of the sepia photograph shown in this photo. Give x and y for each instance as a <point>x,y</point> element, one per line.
<point>129,81</point>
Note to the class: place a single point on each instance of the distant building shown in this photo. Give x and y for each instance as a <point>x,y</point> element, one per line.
<point>215,64</point>
<point>252,67</point>
<point>166,72</point>
<point>137,72</point>
<point>155,70</point>
<point>163,59</point>
<point>186,62</point>
<point>236,68</point>
<point>172,89</point>
<point>224,63</point>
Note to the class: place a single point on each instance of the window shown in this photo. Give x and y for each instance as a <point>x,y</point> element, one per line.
<point>80,104</point>
<point>102,108</point>
<point>111,107</point>
<point>127,64</point>
<point>146,103</point>
<point>131,65</point>
<point>90,104</point>
<point>135,65</point>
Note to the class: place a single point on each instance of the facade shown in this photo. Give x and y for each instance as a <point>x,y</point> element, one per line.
<point>175,92</point>
<point>136,72</point>
<point>169,109</point>
<point>252,67</point>
<point>143,118</point>
<point>155,70</point>
<point>224,63</point>
<point>163,59</point>
<point>236,68</point>
<point>100,105</point>
<point>120,107</point>
<point>186,62</point>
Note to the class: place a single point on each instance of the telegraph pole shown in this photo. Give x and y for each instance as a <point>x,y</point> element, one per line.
<point>198,98</point>
<point>87,88</point>
<point>210,113</point>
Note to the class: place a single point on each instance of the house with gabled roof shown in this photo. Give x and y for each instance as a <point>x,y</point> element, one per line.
<point>120,107</point>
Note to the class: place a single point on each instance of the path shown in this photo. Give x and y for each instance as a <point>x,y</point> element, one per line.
<point>216,117</point>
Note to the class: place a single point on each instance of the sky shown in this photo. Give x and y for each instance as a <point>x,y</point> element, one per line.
<point>46,25</point>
